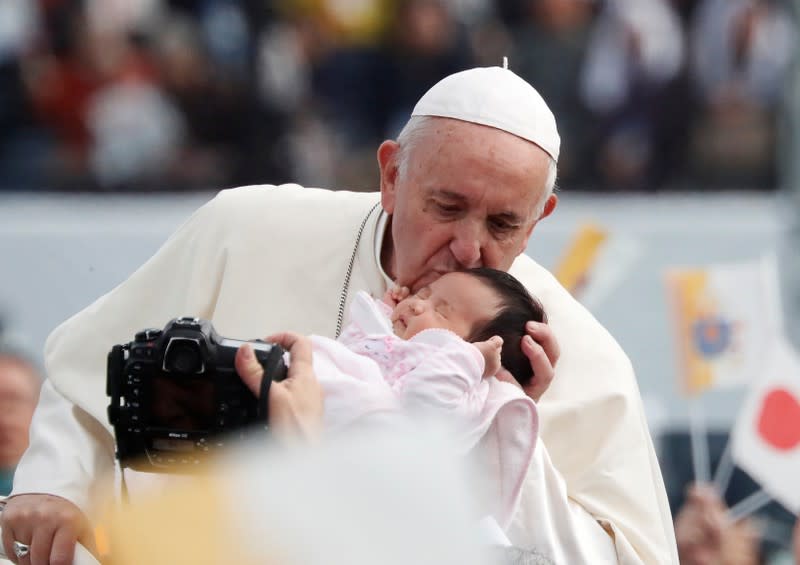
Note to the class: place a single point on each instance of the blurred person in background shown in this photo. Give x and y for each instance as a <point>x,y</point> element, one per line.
<point>350,74</point>
<point>95,68</point>
<point>634,58</point>
<point>301,89</point>
<point>741,52</point>
<point>370,79</point>
<point>289,50</point>
<point>24,144</point>
<point>217,107</point>
<point>211,63</point>
<point>558,30</point>
<point>91,84</point>
<point>59,81</point>
<point>19,393</point>
<point>464,185</point>
<point>424,43</point>
<point>316,63</point>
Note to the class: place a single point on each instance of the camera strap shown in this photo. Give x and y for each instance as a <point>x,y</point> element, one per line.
<point>274,370</point>
<point>263,398</point>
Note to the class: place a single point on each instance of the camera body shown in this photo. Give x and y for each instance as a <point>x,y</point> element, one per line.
<point>176,397</point>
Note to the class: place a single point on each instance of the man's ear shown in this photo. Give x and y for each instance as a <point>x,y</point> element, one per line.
<point>549,206</point>
<point>388,153</point>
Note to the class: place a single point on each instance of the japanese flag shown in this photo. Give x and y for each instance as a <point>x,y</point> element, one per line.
<point>766,437</point>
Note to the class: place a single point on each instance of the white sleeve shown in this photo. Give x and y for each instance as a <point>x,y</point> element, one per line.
<point>71,455</point>
<point>548,521</point>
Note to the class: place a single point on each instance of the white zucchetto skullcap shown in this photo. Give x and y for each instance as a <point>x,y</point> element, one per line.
<point>496,97</point>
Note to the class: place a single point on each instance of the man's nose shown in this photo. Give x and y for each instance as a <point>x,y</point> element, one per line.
<point>467,246</point>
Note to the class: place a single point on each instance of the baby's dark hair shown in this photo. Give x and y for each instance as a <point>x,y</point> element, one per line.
<point>517,307</point>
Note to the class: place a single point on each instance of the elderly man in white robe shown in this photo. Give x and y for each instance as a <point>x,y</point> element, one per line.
<point>464,185</point>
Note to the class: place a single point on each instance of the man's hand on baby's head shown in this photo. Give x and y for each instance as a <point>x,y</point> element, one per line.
<point>396,295</point>
<point>541,348</point>
<point>491,349</point>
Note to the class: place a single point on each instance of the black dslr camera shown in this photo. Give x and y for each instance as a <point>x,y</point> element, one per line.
<point>176,397</point>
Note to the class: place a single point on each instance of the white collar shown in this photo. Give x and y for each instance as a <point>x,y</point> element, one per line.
<point>380,233</point>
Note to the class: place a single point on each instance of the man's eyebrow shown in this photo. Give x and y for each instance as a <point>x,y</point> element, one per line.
<point>448,194</point>
<point>510,217</point>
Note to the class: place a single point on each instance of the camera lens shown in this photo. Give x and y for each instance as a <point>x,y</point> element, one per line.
<point>183,356</point>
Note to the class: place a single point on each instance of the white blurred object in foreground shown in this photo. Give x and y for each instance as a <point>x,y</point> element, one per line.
<point>394,497</point>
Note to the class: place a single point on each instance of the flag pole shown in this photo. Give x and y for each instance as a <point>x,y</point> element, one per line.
<point>724,470</point>
<point>699,441</point>
<point>748,505</point>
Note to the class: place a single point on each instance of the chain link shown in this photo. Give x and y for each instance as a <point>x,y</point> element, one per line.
<point>346,285</point>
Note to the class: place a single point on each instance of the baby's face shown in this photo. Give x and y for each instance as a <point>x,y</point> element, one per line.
<point>455,301</point>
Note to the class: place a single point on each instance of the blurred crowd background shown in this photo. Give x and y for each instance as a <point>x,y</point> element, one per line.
<point>147,96</point>
<point>173,95</point>
<point>109,96</point>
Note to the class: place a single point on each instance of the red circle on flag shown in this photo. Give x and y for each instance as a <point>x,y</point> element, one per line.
<point>779,419</point>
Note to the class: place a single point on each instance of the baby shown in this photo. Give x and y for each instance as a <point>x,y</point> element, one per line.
<point>434,356</point>
<point>486,307</point>
<point>426,352</point>
<point>448,356</point>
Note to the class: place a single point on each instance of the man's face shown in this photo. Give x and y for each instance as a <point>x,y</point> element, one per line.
<point>467,198</point>
<point>455,302</point>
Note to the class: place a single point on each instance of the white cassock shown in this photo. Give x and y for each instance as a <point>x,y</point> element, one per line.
<point>263,259</point>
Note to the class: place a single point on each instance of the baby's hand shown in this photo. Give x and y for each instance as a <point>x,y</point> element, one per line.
<point>395,295</point>
<point>490,349</point>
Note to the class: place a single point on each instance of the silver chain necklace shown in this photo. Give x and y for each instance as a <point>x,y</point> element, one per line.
<point>346,285</point>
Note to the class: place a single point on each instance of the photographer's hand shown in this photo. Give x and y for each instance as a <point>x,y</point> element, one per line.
<point>51,525</point>
<point>296,403</point>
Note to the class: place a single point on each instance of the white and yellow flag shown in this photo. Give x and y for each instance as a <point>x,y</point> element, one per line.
<point>596,262</point>
<point>724,317</point>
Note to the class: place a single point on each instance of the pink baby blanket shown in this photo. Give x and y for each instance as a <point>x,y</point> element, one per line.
<point>370,374</point>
